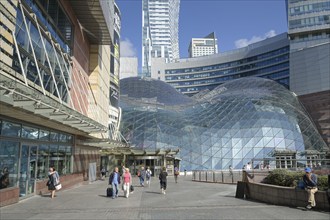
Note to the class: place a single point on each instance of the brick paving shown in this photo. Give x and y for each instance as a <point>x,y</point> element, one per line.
<point>184,200</point>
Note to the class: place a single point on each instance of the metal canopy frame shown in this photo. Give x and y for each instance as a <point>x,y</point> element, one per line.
<point>17,95</point>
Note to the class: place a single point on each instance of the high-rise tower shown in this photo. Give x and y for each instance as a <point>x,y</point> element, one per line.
<point>160,21</point>
<point>203,46</point>
<point>308,23</point>
<point>309,32</point>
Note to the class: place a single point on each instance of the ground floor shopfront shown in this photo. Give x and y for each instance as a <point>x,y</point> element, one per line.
<point>27,151</point>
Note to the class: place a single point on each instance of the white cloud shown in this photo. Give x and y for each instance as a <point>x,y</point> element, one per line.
<point>245,42</point>
<point>127,49</point>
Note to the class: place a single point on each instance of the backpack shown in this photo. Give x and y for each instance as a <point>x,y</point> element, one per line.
<point>138,173</point>
<point>148,174</point>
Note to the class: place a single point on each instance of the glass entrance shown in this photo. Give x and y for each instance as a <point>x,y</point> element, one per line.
<point>28,163</point>
<point>153,162</point>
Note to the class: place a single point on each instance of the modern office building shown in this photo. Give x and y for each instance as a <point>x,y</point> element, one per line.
<point>309,33</point>
<point>114,111</point>
<point>250,119</point>
<point>55,80</point>
<point>128,67</point>
<point>160,25</point>
<point>203,46</point>
<point>267,59</point>
<point>308,23</point>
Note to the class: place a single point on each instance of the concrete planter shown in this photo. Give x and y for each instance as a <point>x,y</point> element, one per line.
<point>286,196</point>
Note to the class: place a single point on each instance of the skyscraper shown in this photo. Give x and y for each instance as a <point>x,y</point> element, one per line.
<point>309,32</point>
<point>308,23</point>
<point>160,21</point>
<point>203,46</point>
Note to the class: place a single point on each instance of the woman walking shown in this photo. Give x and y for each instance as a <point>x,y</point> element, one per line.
<point>163,180</point>
<point>52,181</point>
<point>127,182</point>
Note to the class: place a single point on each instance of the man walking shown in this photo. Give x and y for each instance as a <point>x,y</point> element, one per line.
<point>114,180</point>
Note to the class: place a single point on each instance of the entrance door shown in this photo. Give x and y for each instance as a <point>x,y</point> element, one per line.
<point>28,163</point>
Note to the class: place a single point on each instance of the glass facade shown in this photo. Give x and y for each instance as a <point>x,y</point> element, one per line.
<point>237,122</point>
<point>28,151</point>
<point>43,46</point>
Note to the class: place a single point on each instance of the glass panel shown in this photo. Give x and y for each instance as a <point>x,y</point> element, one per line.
<point>9,154</point>
<point>70,139</point>
<point>44,135</point>
<point>43,161</point>
<point>30,132</point>
<point>24,171</point>
<point>61,159</point>
<point>11,129</point>
<point>62,137</point>
<point>68,159</point>
<point>54,136</point>
<point>32,169</point>
<point>53,154</point>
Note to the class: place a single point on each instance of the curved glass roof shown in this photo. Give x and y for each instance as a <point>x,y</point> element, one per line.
<point>239,121</point>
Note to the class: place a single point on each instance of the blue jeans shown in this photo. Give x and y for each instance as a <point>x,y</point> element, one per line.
<point>114,190</point>
<point>141,180</point>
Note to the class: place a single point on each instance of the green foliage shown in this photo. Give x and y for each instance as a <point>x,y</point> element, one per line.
<point>283,177</point>
<point>322,183</point>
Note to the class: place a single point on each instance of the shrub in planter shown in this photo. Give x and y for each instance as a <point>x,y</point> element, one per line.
<point>283,177</point>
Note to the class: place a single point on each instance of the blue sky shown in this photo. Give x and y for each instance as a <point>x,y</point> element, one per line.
<point>236,23</point>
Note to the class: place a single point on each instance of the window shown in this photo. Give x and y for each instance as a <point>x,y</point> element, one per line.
<point>10,129</point>
<point>30,132</point>
<point>9,152</point>
<point>43,161</point>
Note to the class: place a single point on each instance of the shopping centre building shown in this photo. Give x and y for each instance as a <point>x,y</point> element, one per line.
<point>55,105</point>
<point>246,120</point>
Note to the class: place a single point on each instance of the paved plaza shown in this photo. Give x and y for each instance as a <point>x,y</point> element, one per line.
<point>184,200</point>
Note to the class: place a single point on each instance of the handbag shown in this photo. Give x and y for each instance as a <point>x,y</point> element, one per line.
<point>131,188</point>
<point>58,186</point>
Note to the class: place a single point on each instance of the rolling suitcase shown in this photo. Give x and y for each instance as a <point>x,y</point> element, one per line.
<point>109,192</point>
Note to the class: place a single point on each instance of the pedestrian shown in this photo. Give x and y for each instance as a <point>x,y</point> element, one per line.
<point>141,175</point>
<point>114,180</point>
<point>248,166</point>
<point>103,172</point>
<point>176,174</point>
<point>4,179</point>
<point>231,170</point>
<point>148,176</point>
<point>123,170</point>
<point>53,180</point>
<point>127,182</point>
<point>310,183</point>
<point>163,180</point>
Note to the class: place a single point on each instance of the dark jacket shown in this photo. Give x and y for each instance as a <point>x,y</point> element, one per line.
<point>111,177</point>
<point>163,176</point>
<point>51,181</point>
<point>310,183</point>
